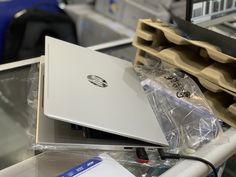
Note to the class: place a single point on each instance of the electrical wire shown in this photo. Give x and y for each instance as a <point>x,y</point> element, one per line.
<point>164,156</point>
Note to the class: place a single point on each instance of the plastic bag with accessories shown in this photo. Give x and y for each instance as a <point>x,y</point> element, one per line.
<point>185,116</point>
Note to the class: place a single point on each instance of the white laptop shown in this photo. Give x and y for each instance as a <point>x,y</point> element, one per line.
<point>97,91</point>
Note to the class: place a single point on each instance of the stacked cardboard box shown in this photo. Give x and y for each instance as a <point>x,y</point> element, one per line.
<point>215,71</point>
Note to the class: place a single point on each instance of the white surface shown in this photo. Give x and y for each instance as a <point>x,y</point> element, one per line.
<point>216,152</point>
<point>53,163</point>
<point>121,108</point>
<point>108,167</point>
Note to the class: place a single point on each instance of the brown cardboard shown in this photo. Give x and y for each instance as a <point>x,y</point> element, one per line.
<point>188,61</point>
<point>141,60</point>
<point>211,87</point>
<point>192,57</point>
<point>232,108</point>
<point>220,106</point>
<point>215,71</point>
<point>172,35</point>
<point>217,99</point>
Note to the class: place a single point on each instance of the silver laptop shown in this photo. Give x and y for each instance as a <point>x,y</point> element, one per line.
<point>97,91</point>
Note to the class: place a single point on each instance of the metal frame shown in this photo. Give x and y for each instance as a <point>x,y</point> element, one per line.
<point>111,44</point>
<point>189,7</point>
<point>218,20</point>
<point>19,63</point>
<point>216,152</point>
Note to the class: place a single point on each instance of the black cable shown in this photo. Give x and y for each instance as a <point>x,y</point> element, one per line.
<point>164,156</point>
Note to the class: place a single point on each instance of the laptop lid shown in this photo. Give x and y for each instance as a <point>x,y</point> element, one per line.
<point>97,91</point>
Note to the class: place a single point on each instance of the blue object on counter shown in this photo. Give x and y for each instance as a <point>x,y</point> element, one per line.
<point>8,8</point>
<point>78,170</point>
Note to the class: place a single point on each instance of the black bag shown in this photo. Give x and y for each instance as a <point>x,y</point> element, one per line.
<point>25,37</point>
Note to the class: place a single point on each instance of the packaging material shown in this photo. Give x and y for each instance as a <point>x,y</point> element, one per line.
<point>133,12</point>
<point>18,106</point>
<point>180,107</point>
<point>223,105</point>
<point>214,69</point>
<point>170,34</point>
<point>53,163</point>
<point>221,100</point>
<point>93,28</point>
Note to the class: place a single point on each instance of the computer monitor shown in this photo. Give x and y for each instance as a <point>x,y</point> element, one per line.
<point>198,11</point>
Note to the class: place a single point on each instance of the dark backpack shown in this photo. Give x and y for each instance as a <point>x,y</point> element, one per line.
<point>25,36</point>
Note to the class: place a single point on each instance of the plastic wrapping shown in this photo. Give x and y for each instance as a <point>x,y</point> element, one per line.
<point>186,118</point>
<point>18,106</point>
<point>53,163</point>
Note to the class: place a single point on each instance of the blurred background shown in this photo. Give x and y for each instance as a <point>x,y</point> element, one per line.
<point>105,25</point>
<point>23,24</point>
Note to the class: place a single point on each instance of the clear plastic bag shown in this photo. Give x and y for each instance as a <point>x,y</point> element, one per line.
<point>18,106</point>
<point>185,116</point>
